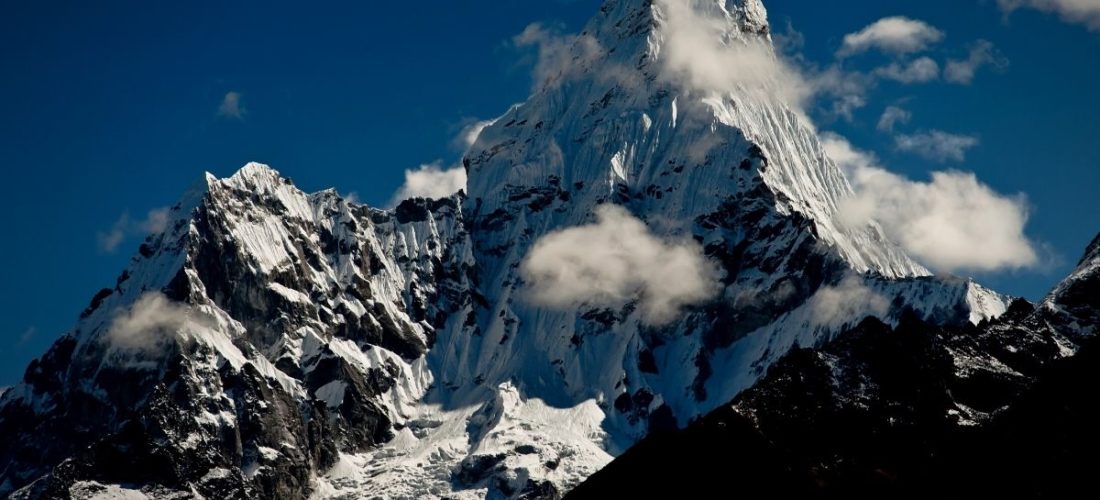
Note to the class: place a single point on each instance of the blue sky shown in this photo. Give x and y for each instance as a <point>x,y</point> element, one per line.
<point>115,109</point>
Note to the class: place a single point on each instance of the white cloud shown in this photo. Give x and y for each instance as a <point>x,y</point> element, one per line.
<point>895,35</point>
<point>891,116</point>
<point>952,223</point>
<point>936,145</point>
<point>231,106</point>
<point>148,324</point>
<point>156,221</point>
<point>850,299</point>
<point>1085,12</point>
<point>981,54</point>
<point>431,181</point>
<point>696,54</point>
<point>614,260</point>
<point>846,90</point>
<point>920,70</point>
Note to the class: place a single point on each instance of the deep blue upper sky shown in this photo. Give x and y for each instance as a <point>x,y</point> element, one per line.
<point>113,109</point>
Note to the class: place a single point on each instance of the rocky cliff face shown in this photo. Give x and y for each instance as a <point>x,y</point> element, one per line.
<point>276,343</point>
<point>244,348</point>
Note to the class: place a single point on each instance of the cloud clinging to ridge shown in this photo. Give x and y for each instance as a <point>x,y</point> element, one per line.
<point>849,300</point>
<point>148,324</point>
<point>615,260</point>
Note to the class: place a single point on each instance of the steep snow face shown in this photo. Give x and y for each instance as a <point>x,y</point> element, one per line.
<point>612,121</point>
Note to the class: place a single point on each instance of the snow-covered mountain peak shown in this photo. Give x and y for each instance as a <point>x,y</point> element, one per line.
<point>348,350</point>
<point>261,183</point>
<point>624,119</point>
<point>255,174</point>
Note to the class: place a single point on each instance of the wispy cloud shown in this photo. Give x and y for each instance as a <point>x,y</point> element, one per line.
<point>615,260</point>
<point>936,145</point>
<point>894,35</point>
<point>952,223</point>
<point>982,53</point>
<point>28,334</point>
<point>892,116</point>
<point>231,106</point>
<point>155,221</point>
<point>843,91</point>
<point>1086,12</point>
<point>920,70</point>
<point>560,56</point>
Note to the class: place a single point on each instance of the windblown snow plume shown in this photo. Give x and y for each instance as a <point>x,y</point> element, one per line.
<point>148,324</point>
<point>615,260</point>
